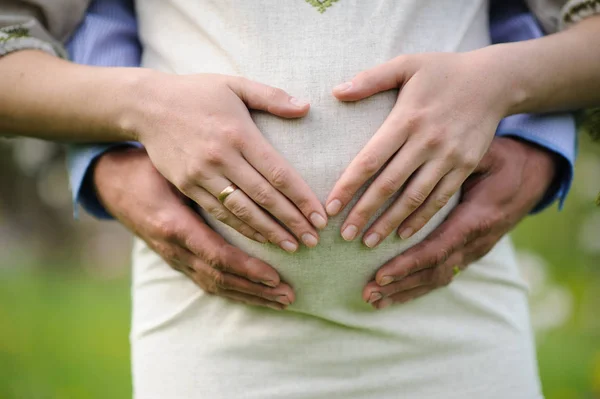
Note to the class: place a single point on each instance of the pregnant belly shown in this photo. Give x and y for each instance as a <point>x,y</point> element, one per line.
<point>328,280</point>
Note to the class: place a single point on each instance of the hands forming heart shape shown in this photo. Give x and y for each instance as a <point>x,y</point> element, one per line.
<point>443,122</point>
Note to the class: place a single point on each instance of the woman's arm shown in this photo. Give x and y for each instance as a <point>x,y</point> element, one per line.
<point>49,98</point>
<point>557,72</point>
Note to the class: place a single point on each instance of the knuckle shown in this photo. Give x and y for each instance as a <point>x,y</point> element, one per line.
<point>387,187</point>
<point>272,236</point>
<point>212,257</point>
<point>483,227</point>
<point>387,225</point>
<point>240,210</point>
<point>362,214</point>
<point>469,161</point>
<point>413,119</point>
<point>219,213</point>
<point>441,200</point>
<point>369,163</point>
<point>218,280</point>
<point>214,155</point>
<point>165,227</point>
<point>234,137</point>
<point>414,199</point>
<point>264,196</point>
<point>440,257</point>
<point>279,177</point>
<point>434,141</point>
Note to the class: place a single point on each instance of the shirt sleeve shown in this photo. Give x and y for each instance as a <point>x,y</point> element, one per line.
<point>107,37</point>
<point>511,21</point>
<point>38,24</point>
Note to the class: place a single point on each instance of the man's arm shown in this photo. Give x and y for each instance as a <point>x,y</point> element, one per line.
<point>106,37</point>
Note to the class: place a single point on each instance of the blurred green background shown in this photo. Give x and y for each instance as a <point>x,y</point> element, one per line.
<point>65,301</point>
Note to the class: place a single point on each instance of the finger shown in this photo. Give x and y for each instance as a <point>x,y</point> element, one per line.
<point>438,198</point>
<point>267,98</point>
<point>374,292</point>
<point>477,249</point>
<point>453,234</point>
<point>389,75</point>
<point>403,297</point>
<point>385,186</point>
<point>382,146</point>
<point>213,207</point>
<point>284,178</point>
<point>416,192</point>
<point>217,281</point>
<point>263,194</point>
<point>198,238</point>
<point>251,300</point>
<point>250,213</point>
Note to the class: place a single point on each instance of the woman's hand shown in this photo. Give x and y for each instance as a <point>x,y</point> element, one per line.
<point>447,112</point>
<point>200,136</point>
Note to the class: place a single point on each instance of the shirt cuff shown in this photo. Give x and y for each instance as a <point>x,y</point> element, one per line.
<point>555,132</point>
<point>80,161</point>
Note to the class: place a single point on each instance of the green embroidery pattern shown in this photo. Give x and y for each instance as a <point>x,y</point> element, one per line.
<point>321,5</point>
<point>13,33</point>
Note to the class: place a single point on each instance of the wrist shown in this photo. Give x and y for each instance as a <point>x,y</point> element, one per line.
<point>136,100</point>
<point>498,62</point>
<point>542,168</point>
<point>108,172</point>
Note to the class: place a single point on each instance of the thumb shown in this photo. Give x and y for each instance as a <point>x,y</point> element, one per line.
<point>390,75</point>
<point>262,97</point>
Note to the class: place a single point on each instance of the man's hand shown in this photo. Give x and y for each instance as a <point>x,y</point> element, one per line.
<point>510,180</point>
<point>133,191</point>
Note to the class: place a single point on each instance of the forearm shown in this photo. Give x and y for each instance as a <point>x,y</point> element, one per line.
<point>557,72</point>
<point>45,97</point>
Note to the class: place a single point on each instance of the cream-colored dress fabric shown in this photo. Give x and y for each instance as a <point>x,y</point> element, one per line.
<point>469,340</point>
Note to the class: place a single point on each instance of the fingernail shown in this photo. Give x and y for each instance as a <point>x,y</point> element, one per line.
<point>288,246</point>
<point>298,103</point>
<point>283,299</point>
<point>309,240</point>
<point>372,239</point>
<point>334,207</point>
<point>384,303</point>
<point>269,283</point>
<point>349,233</point>
<point>260,238</point>
<point>386,280</point>
<point>318,221</point>
<point>406,233</point>
<point>343,87</point>
<point>374,297</point>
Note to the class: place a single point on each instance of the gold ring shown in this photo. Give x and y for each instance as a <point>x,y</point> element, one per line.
<point>456,270</point>
<point>226,192</point>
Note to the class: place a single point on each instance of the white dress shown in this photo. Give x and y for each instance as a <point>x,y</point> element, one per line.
<point>471,339</point>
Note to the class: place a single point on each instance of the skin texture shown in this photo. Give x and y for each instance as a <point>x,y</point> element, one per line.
<point>203,158</point>
<point>445,101</point>
<point>141,199</point>
<point>196,129</point>
<point>510,180</point>
<point>508,183</point>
